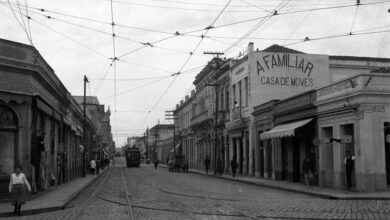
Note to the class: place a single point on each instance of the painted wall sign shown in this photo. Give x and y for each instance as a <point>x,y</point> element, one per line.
<point>282,75</point>
<point>240,71</point>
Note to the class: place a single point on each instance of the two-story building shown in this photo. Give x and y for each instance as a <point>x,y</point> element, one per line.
<point>41,125</point>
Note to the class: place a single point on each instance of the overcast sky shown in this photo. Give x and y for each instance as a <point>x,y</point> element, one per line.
<point>74,47</point>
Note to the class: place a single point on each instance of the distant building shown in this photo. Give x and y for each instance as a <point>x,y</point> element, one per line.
<point>157,138</point>
<point>103,143</point>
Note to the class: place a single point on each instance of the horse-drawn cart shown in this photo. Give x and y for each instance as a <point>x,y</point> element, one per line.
<point>178,164</point>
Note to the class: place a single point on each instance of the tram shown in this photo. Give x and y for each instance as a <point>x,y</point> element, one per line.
<point>133,157</point>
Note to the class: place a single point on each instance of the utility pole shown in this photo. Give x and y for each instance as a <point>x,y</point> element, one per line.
<point>170,115</point>
<point>216,85</point>
<point>147,145</point>
<point>84,124</point>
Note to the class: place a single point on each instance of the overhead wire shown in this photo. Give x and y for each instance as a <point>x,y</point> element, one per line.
<point>187,60</point>
<point>20,23</point>
<point>308,39</point>
<point>256,6</point>
<point>287,13</point>
<point>256,26</point>
<point>101,81</point>
<point>28,22</point>
<point>95,20</point>
<point>354,17</point>
<point>179,8</point>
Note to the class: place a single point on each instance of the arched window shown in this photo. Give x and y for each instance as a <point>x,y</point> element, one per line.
<point>8,134</point>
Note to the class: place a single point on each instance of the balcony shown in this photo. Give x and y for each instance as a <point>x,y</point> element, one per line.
<point>200,118</point>
<point>235,113</point>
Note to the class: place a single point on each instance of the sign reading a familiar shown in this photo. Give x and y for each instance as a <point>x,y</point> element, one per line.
<point>281,75</point>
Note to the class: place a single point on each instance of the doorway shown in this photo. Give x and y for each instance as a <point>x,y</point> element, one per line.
<point>345,130</point>
<point>284,153</point>
<point>387,150</point>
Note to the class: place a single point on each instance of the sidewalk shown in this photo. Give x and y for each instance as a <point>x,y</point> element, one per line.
<point>51,200</point>
<point>327,193</point>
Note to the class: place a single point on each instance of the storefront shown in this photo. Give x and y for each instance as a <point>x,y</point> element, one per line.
<point>292,136</point>
<point>33,106</point>
<point>354,115</point>
<point>263,115</point>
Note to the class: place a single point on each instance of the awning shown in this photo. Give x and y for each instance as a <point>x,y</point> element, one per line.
<point>284,130</point>
<point>177,146</point>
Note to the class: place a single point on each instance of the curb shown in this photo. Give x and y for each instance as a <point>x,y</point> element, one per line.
<point>53,208</point>
<point>316,194</point>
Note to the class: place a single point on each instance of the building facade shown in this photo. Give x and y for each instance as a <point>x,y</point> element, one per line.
<point>158,138</point>
<point>103,144</point>
<point>285,105</point>
<point>41,125</point>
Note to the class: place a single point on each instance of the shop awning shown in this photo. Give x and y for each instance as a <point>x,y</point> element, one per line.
<point>284,130</point>
<point>177,146</point>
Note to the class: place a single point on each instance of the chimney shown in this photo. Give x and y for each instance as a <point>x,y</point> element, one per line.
<point>250,47</point>
<point>192,92</point>
<point>187,97</point>
<point>177,106</point>
<point>181,102</point>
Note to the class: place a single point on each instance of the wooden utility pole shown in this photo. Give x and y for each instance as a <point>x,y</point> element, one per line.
<point>84,125</point>
<point>216,86</point>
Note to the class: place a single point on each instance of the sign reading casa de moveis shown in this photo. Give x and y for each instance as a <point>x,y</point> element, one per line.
<point>281,75</point>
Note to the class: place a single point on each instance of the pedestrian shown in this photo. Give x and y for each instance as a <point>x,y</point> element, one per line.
<point>17,187</point>
<point>233,165</point>
<point>207,164</point>
<point>348,161</point>
<point>307,168</point>
<point>219,167</point>
<point>92,166</point>
<point>155,164</point>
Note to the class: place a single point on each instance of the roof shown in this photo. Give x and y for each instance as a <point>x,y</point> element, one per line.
<point>373,59</point>
<point>280,49</point>
<point>163,126</point>
<point>381,70</point>
<point>89,99</point>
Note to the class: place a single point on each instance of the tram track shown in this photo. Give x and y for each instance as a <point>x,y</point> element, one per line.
<point>78,211</point>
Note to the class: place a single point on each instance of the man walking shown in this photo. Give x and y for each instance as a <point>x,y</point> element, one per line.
<point>307,168</point>
<point>233,165</point>
<point>155,164</point>
<point>207,164</point>
<point>349,160</point>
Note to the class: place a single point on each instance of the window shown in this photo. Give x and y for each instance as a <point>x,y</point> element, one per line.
<point>246,92</point>
<point>221,98</point>
<point>239,94</point>
<point>234,95</point>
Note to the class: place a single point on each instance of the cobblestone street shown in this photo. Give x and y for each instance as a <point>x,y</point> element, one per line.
<point>159,194</point>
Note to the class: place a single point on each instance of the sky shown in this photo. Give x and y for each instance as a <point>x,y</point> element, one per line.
<point>154,40</point>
